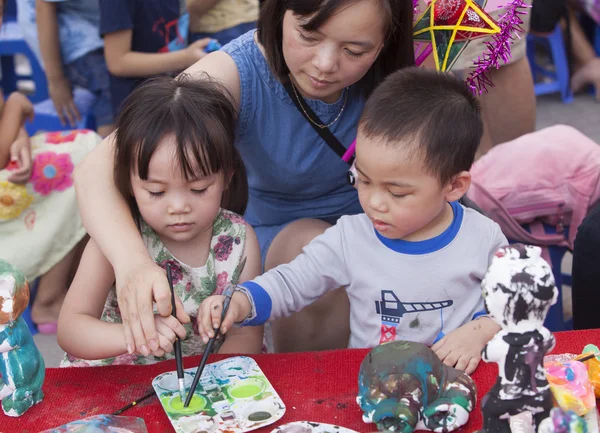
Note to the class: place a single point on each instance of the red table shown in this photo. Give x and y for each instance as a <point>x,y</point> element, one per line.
<point>315,386</point>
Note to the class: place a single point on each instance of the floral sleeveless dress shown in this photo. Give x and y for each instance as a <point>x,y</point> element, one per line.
<point>192,285</point>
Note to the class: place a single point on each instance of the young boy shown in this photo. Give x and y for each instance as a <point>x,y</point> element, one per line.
<point>412,264</point>
<point>72,53</point>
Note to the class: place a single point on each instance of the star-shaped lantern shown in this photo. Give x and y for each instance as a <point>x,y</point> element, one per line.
<point>449,25</point>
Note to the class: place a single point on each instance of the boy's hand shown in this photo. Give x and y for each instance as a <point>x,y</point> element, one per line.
<point>462,347</point>
<point>209,314</point>
<point>168,329</point>
<point>61,94</point>
<point>195,51</point>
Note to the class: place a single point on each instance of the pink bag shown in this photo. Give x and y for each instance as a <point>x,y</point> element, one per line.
<point>551,176</point>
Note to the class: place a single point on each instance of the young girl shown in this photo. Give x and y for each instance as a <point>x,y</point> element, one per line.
<point>176,164</point>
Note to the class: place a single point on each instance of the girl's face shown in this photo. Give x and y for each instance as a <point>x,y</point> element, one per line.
<point>338,54</point>
<point>178,210</point>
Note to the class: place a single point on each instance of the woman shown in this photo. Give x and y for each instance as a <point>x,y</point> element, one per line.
<point>329,54</point>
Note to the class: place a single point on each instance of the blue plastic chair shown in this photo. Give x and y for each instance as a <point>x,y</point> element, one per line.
<point>11,44</point>
<point>557,79</point>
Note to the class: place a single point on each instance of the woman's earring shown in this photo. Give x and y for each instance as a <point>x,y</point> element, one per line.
<point>352,175</point>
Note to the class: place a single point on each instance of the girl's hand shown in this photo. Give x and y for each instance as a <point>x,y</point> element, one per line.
<point>20,152</point>
<point>209,314</point>
<point>168,328</point>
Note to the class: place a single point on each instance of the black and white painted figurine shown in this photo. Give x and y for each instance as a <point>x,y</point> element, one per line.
<point>518,291</point>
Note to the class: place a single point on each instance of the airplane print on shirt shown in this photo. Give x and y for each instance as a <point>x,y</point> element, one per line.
<point>391,310</point>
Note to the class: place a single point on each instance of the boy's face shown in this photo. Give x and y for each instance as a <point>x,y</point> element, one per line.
<point>399,196</point>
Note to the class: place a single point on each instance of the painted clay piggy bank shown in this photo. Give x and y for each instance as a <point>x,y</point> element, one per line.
<point>403,386</point>
<point>22,367</point>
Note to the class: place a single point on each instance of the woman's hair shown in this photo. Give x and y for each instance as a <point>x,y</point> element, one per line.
<point>397,51</point>
<point>200,115</point>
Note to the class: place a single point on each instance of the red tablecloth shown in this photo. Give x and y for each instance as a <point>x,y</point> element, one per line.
<point>316,386</point>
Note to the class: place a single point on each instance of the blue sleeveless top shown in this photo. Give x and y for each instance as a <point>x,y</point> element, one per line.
<point>292,172</point>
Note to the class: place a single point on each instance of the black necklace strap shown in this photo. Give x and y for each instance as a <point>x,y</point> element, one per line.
<point>325,133</point>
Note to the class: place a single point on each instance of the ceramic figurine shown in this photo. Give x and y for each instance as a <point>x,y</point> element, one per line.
<point>404,386</point>
<point>22,367</point>
<point>561,421</point>
<point>518,290</point>
<point>570,385</point>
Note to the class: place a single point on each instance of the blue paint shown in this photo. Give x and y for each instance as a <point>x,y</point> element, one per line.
<point>49,171</point>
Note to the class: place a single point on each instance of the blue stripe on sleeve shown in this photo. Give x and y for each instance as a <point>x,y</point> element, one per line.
<point>262,303</point>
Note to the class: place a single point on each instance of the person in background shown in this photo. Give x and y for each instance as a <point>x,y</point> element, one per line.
<point>223,20</point>
<point>142,39</point>
<point>72,54</point>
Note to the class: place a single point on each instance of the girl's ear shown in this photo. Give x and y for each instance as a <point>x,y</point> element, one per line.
<point>458,186</point>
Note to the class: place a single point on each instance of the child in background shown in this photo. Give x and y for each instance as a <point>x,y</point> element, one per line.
<point>72,54</point>
<point>13,114</point>
<point>176,162</point>
<point>145,38</point>
<point>223,20</point>
<point>412,264</point>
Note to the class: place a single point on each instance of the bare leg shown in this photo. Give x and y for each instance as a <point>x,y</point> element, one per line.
<point>53,287</point>
<point>586,63</point>
<point>105,130</point>
<point>508,107</point>
<point>326,323</point>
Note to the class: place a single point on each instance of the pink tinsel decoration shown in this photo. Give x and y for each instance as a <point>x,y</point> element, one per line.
<point>416,8</point>
<point>498,50</point>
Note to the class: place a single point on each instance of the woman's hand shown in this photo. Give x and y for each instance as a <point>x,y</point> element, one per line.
<point>137,287</point>
<point>20,152</point>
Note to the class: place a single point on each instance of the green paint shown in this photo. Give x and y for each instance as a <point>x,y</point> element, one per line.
<point>245,391</point>
<point>259,416</point>
<point>8,269</point>
<point>196,405</point>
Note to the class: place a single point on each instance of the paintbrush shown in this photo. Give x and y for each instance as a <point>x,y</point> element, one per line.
<point>178,358</point>
<point>587,357</point>
<point>229,293</point>
<point>133,403</point>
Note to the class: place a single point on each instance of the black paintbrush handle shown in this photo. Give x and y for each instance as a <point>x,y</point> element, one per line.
<point>178,357</point>
<point>199,371</point>
<point>133,403</point>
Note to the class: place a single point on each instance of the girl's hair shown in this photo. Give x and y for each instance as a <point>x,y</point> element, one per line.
<point>200,114</point>
<point>397,51</point>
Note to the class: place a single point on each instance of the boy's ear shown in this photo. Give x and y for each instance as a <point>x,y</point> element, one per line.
<point>458,186</point>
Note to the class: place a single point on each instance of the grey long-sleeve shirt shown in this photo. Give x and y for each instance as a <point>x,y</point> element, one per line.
<point>398,290</point>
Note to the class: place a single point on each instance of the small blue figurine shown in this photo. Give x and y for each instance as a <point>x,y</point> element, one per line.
<point>22,368</point>
<point>213,45</point>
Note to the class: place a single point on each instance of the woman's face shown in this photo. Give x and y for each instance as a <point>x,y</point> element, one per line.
<point>338,54</point>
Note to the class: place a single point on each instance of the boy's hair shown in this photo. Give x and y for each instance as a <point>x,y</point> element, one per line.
<point>397,51</point>
<point>200,114</point>
<point>430,114</point>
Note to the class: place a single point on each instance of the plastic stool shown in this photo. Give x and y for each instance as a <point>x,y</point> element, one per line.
<point>559,77</point>
<point>12,43</point>
<point>46,118</point>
